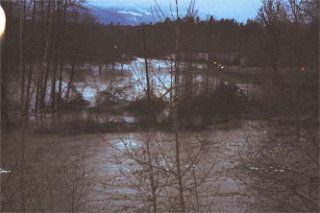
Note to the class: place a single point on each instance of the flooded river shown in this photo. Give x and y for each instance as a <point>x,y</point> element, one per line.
<point>224,169</point>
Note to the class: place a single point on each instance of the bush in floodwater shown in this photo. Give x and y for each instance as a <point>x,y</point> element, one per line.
<point>145,106</point>
<point>226,102</point>
<point>111,96</point>
<point>76,102</point>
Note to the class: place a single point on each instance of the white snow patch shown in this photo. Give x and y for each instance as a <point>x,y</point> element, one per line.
<point>130,13</point>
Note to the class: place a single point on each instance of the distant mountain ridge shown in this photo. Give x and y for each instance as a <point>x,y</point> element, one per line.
<point>122,16</point>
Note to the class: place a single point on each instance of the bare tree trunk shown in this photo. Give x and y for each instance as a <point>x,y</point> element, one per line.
<point>271,21</point>
<point>53,91</point>
<point>54,56</point>
<point>44,86</point>
<point>204,119</point>
<point>37,101</point>
<point>152,178</point>
<point>31,61</point>
<point>48,58</point>
<point>100,68</point>
<point>196,189</point>
<point>22,16</point>
<point>59,37</point>
<point>22,110</point>
<point>144,39</point>
<point>40,77</point>
<point>171,91</point>
<point>269,14</point>
<point>72,74</point>
<point>56,20</point>
<point>188,78</point>
<point>61,51</point>
<point>176,115</point>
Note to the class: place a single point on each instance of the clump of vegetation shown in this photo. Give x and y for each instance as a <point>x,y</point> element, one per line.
<point>77,102</point>
<point>147,106</point>
<point>111,96</point>
<point>226,102</point>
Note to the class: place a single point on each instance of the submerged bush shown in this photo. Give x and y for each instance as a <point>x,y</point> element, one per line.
<point>145,106</point>
<point>111,96</point>
<point>227,101</point>
<point>77,102</point>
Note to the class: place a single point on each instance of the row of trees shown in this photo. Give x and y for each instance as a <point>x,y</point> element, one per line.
<point>42,37</point>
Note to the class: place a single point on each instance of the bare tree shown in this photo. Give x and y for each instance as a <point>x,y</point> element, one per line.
<point>271,14</point>
<point>147,164</point>
<point>176,102</point>
<point>62,46</point>
<point>144,40</point>
<point>280,172</point>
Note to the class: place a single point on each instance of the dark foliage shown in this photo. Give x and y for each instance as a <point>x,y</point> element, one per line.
<point>226,102</point>
<point>145,106</point>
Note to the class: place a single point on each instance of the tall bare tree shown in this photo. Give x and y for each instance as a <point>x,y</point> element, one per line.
<point>271,14</point>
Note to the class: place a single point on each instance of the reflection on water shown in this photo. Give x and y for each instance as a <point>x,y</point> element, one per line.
<point>127,143</point>
<point>219,152</point>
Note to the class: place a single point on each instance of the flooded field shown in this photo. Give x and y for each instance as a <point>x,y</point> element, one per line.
<point>99,94</point>
<point>129,78</point>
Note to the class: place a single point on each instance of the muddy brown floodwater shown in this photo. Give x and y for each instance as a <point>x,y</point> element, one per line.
<point>108,172</point>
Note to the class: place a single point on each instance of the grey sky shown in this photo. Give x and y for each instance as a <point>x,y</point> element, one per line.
<point>240,10</point>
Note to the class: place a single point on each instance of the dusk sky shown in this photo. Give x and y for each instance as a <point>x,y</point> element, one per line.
<point>240,10</point>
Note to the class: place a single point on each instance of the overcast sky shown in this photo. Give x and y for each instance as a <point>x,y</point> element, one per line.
<point>240,10</point>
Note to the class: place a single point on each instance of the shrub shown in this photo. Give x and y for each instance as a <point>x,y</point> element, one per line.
<point>225,102</point>
<point>145,106</point>
<point>111,96</point>
<point>228,101</point>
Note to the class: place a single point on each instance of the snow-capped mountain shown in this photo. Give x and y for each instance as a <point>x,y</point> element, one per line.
<point>123,16</point>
